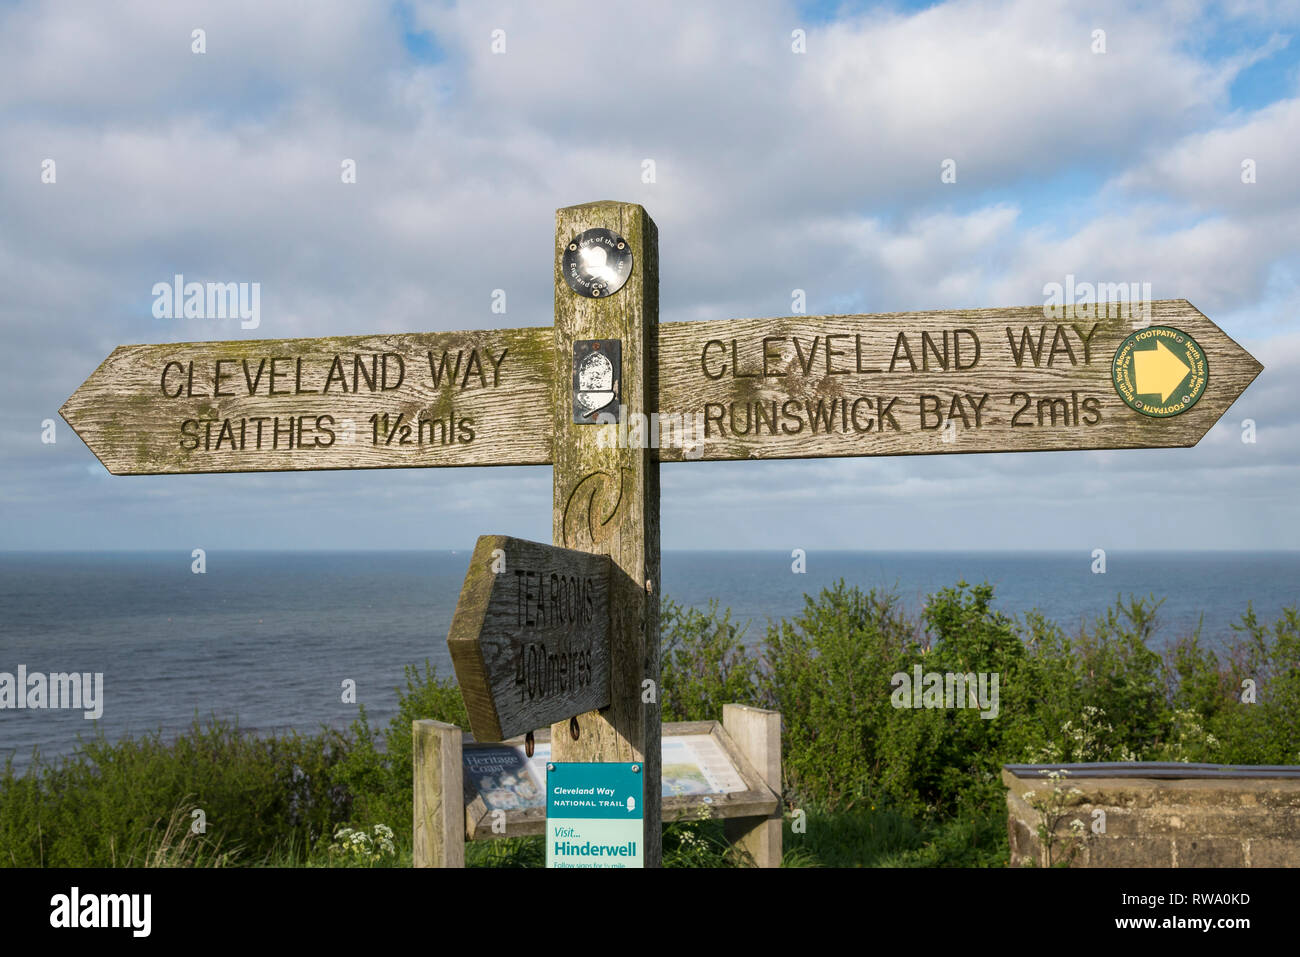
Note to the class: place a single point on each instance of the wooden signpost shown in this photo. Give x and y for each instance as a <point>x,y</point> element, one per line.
<point>603,397</point>
<point>606,497</point>
<point>980,380</point>
<point>984,380</point>
<point>530,637</point>
<point>352,402</point>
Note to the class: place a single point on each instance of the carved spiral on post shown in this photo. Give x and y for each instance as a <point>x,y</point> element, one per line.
<point>591,507</point>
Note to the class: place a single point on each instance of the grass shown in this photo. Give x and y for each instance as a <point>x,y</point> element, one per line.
<point>886,838</point>
<point>865,838</point>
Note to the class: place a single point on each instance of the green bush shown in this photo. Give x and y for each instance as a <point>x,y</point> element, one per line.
<point>376,768</point>
<point>880,785</point>
<point>828,674</point>
<point>1266,731</point>
<point>1101,695</point>
<point>119,803</point>
<point>703,663</point>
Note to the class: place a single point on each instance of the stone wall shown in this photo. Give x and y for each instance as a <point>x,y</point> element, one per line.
<point>1154,815</point>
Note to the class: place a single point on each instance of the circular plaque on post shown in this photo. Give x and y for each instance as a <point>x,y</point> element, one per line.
<point>596,263</point>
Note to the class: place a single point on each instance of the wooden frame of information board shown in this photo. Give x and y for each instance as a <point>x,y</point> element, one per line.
<point>749,738</point>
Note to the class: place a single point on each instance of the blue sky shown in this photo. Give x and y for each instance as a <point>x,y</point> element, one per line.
<point>817,171</point>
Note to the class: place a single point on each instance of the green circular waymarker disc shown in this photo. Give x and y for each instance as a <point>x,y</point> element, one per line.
<point>1160,371</point>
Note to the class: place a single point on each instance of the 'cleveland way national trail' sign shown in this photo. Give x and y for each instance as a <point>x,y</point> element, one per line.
<point>608,393</point>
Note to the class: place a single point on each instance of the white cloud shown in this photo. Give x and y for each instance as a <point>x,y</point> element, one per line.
<point>775,171</point>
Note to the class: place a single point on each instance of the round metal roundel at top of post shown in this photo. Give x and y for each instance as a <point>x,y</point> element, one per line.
<point>596,263</point>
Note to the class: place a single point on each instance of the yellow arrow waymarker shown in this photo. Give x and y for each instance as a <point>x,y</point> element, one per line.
<point>1159,371</point>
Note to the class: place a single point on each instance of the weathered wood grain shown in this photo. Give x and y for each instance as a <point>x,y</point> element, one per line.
<point>480,397</point>
<point>607,498</point>
<point>439,803</point>
<point>797,371</point>
<point>530,636</point>
<point>451,398</point>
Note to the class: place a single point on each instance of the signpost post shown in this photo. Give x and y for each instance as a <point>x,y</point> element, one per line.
<point>606,496</point>
<point>603,397</point>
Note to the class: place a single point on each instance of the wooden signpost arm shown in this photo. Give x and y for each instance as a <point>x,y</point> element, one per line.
<point>529,640</point>
<point>607,498</point>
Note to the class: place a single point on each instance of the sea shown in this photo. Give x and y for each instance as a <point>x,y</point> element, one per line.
<point>270,639</point>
